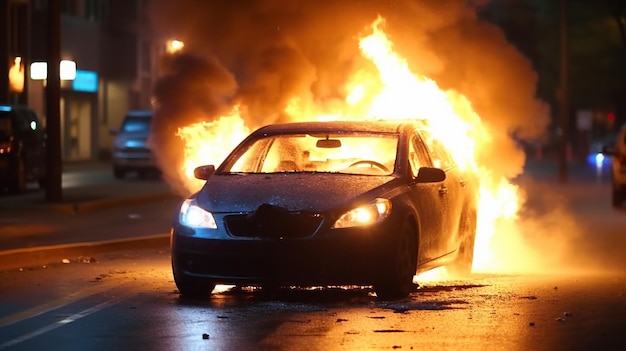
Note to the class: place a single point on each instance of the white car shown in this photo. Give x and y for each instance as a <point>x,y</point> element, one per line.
<point>131,152</point>
<point>618,167</point>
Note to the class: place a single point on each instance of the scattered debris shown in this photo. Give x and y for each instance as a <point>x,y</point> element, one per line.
<point>567,314</point>
<point>205,336</point>
<point>84,259</point>
<point>531,297</point>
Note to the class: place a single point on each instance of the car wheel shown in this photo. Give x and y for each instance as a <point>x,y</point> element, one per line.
<point>192,287</point>
<point>396,280</point>
<point>462,266</point>
<point>119,172</point>
<point>18,179</point>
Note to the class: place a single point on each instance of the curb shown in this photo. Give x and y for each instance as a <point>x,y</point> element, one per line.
<point>94,205</point>
<point>44,256</point>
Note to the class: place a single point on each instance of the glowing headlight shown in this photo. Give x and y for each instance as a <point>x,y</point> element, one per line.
<point>191,215</point>
<point>371,213</point>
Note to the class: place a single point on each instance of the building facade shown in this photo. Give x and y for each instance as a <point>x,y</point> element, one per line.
<point>109,42</point>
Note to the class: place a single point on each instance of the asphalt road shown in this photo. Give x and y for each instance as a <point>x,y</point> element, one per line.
<point>571,297</point>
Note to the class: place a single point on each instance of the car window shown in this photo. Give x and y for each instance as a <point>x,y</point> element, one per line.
<point>440,157</point>
<point>136,124</point>
<point>417,155</point>
<point>373,154</point>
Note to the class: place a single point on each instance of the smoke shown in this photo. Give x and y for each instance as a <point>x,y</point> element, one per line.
<point>261,54</point>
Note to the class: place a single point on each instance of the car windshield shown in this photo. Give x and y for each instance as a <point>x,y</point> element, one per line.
<point>136,124</point>
<point>369,154</point>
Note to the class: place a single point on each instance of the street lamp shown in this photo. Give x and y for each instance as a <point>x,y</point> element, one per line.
<point>174,46</point>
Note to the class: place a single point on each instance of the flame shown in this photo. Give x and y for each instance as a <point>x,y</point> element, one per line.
<point>209,143</point>
<point>386,90</point>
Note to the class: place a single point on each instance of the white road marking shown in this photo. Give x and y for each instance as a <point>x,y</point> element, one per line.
<point>58,324</point>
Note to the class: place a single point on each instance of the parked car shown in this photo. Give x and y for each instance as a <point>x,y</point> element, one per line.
<point>131,152</point>
<point>22,148</point>
<point>618,167</point>
<point>326,203</point>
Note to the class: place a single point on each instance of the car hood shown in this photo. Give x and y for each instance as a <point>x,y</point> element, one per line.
<point>293,191</point>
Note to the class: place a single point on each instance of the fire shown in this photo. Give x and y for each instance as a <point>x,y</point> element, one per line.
<point>388,89</point>
<point>209,143</point>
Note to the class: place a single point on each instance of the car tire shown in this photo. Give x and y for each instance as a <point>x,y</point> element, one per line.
<point>193,288</point>
<point>17,183</point>
<point>396,279</point>
<point>462,265</point>
<point>119,172</point>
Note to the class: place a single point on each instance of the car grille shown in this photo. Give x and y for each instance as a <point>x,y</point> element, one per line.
<point>270,221</point>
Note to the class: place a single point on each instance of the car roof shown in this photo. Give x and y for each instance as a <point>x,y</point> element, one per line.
<point>140,113</point>
<point>377,126</point>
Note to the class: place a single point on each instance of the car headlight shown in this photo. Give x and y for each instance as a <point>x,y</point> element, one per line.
<point>371,213</point>
<point>192,215</point>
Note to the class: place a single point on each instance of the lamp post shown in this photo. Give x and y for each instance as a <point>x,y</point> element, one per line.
<point>563,98</point>
<point>54,189</point>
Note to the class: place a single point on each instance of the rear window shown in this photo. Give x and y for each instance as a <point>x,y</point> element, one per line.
<point>136,124</point>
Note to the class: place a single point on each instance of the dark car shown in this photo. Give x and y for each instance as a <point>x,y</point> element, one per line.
<point>326,203</point>
<point>22,148</point>
<point>131,151</point>
<point>617,151</point>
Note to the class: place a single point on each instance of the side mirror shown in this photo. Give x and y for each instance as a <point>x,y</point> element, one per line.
<point>430,175</point>
<point>204,172</point>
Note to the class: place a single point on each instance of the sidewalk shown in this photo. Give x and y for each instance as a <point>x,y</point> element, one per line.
<point>36,232</point>
<point>88,186</point>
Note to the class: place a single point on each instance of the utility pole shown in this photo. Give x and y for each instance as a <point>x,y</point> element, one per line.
<point>4,51</point>
<point>54,190</point>
<point>563,98</point>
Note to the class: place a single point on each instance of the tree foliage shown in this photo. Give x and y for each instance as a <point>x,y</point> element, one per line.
<point>596,42</point>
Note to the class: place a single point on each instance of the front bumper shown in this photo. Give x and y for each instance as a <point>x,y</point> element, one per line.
<point>351,257</point>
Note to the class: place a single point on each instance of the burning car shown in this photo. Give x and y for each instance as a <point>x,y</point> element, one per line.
<point>327,203</point>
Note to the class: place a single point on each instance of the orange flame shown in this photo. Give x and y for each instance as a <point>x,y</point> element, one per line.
<point>391,90</point>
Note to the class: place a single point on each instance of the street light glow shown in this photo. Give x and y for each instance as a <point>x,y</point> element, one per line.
<point>39,70</point>
<point>174,46</point>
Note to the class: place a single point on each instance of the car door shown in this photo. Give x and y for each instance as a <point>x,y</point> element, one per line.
<point>32,139</point>
<point>450,196</point>
<point>430,203</point>
<point>453,191</point>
